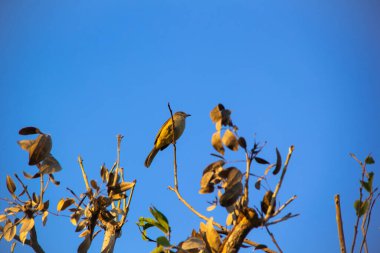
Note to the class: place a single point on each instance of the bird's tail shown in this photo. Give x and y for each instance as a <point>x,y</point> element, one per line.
<point>150,157</point>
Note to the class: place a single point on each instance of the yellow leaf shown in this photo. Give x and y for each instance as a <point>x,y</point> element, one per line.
<point>27,225</point>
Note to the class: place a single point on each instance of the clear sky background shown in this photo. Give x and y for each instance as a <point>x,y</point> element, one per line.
<point>292,72</point>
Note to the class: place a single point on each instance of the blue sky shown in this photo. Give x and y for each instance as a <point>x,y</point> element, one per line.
<point>294,72</point>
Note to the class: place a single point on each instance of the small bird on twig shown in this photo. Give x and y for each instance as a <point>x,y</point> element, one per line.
<point>164,136</point>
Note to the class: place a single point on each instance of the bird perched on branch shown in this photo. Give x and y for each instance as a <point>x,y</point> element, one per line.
<point>164,136</point>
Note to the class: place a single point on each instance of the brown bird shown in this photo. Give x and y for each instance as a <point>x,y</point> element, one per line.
<point>164,136</point>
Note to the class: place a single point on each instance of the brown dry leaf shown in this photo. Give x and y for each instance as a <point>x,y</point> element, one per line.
<point>26,144</point>
<point>94,185</point>
<point>242,142</point>
<point>29,131</point>
<point>218,125</point>
<point>27,225</point>
<point>44,217</point>
<point>231,195</point>
<point>81,225</point>
<point>50,165</point>
<point>118,196</point>
<point>13,247</point>
<point>230,219</point>
<point>85,245</point>
<point>11,185</point>
<point>266,202</point>
<point>65,203</point>
<point>85,233</point>
<point>193,243</point>
<point>212,236</point>
<point>13,210</point>
<point>104,173</point>
<point>208,189</point>
<point>205,181</point>
<point>226,118</point>
<point>51,178</point>
<point>229,140</point>
<point>74,218</point>
<point>9,231</point>
<point>212,207</point>
<point>278,162</point>
<point>3,217</point>
<point>217,143</point>
<point>216,113</point>
<point>40,149</point>
<point>232,176</point>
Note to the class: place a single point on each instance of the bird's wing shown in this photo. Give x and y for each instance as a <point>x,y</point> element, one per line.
<point>168,122</point>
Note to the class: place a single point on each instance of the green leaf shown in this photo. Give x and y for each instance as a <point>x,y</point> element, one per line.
<point>361,207</point>
<point>369,160</point>
<point>159,249</point>
<point>161,218</point>
<point>366,186</point>
<point>153,222</point>
<point>162,240</point>
<point>364,207</point>
<point>357,205</point>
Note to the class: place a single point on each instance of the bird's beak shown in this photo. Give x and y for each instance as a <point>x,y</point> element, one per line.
<point>187,115</point>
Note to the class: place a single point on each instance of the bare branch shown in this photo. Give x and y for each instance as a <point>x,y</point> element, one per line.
<point>174,150</point>
<point>80,161</point>
<point>284,205</point>
<point>23,186</point>
<point>286,217</point>
<point>273,239</point>
<point>360,199</point>
<point>247,173</point>
<point>339,222</point>
<point>278,186</point>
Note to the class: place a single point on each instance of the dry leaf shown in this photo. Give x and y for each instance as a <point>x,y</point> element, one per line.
<point>50,165</point>
<point>9,231</point>
<point>85,245</point>
<point>26,144</point>
<point>231,195</point>
<point>10,185</point>
<point>212,236</point>
<point>40,149</point>
<point>27,225</point>
<point>29,130</point>
<point>193,243</point>
<point>65,203</point>
<point>229,140</point>
<point>216,113</point>
<point>217,143</point>
<point>44,217</point>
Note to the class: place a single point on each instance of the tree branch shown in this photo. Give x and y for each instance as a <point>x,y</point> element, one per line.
<point>339,222</point>
<point>278,186</point>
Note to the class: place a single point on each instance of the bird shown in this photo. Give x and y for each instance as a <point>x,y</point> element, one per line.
<point>164,136</point>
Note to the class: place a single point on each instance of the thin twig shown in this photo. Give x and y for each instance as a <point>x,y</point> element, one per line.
<point>286,217</point>
<point>278,186</point>
<point>42,187</point>
<point>249,242</point>
<point>360,201</point>
<point>80,161</point>
<point>203,217</point>
<point>129,203</point>
<point>247,173</point>
<point>73,193</point>
<point>25,188</point>
<point>174,149</point>
<point>339,223</point>
<point>369,219</point>
<point>273,239</point>
<point>284,205</point>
